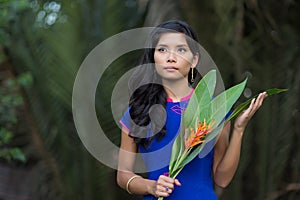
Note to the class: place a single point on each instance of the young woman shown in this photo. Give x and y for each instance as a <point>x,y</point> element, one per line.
<point>170,69</point>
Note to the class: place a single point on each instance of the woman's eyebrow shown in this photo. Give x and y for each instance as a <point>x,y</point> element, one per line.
<point>162,45</point>
<point>182,45</point>
<point>179,45</point>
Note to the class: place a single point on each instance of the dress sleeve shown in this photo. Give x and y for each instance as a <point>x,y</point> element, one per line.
<point>125,120</point>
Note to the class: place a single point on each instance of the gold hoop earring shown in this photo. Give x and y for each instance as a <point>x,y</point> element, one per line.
<point>192,78</point>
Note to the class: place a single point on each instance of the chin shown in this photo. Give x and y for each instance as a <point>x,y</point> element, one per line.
<point>173,79</point>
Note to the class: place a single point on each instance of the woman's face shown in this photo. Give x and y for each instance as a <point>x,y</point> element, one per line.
<point>173,57</point>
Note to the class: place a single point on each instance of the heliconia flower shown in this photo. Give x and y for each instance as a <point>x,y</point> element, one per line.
<point>195,138</point>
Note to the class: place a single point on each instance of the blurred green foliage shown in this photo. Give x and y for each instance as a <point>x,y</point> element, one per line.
<point>10,100</point>
<point>44,42</point>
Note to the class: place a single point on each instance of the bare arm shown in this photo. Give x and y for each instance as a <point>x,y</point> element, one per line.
<point>125,168</point>
<point>139,185</point>
<point>227,154</point>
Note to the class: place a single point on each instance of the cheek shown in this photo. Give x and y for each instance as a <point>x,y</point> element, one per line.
<point>186,62</point>
<point>158,69</point>
<point>158,58</point>
<point>156,63</point>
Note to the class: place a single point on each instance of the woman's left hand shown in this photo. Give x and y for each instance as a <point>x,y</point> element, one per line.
<point>243,119</point>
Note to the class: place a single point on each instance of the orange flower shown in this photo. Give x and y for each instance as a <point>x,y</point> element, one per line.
<point>197,137</point>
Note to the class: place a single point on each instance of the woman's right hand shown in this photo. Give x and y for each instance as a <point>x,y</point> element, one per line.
<point>165,186</point>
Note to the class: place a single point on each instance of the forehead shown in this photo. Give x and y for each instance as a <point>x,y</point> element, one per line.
<point>172,39</point>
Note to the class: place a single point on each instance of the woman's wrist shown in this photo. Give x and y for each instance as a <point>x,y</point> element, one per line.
<point>129,181</point>
<point>238,130</point>
<point>151,186</point>
<point>139,185</point>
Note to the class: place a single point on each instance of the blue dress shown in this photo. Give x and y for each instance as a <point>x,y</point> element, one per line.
<point>196,177</point>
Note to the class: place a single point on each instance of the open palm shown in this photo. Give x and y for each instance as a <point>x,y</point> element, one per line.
<point>243,119</point>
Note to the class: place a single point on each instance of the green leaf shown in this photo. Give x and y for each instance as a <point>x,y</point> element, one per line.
<point>17,154</point>
<point>201,98</point>
<point>214,133</point>
<point>177,149</point>
<point>12,153</point>
<point>222,104</point>
<point>215,110</point>
<point>244,105</point>
<point>5,136</point>
<point>175,172</point>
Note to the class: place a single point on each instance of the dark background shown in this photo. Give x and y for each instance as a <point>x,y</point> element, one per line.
<point>43,43</point>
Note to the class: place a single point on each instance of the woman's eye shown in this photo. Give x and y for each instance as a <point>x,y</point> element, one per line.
<point>182,50</point>
<point>162,49</point>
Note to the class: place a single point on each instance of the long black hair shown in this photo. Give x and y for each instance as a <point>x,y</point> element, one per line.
<point>146,89</point>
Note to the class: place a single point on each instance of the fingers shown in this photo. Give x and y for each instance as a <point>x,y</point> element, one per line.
<point>244,118</point>
<point>177,182</point>
<point>165,186</point>
<point>256,103</point>
<point>250,108</point>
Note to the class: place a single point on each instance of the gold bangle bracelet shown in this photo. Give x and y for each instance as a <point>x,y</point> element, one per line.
<point>128,182</point>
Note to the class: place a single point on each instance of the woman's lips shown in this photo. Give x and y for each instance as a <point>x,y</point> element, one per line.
<point>171,69</point>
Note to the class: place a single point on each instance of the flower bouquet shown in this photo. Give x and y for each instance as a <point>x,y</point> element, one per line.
<point>204,118</point>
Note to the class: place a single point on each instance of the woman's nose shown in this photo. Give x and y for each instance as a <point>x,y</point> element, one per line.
<point>171,57</point>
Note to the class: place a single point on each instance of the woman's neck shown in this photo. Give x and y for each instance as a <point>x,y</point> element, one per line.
<point>176,90</point>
